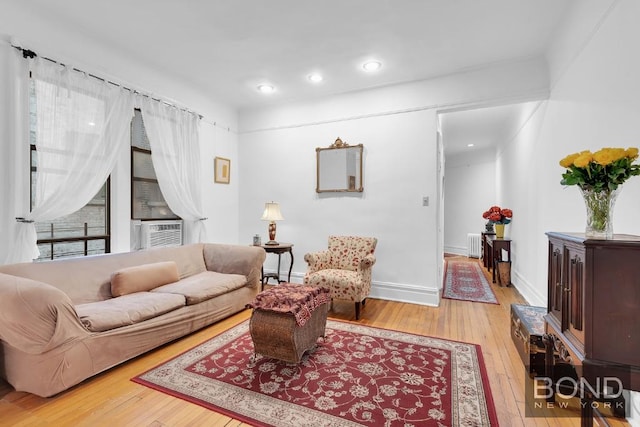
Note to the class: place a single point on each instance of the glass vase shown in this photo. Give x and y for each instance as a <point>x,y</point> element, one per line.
<point>599,206</point>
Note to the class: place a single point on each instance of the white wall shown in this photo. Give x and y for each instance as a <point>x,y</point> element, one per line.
<point>221,201</point>
<point>521,167</point>
<point>469,190</point>
<point>397,126</point>
<point>280,166</point>
<point>594,103</point>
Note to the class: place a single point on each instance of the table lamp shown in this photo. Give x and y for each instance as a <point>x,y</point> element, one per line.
<point>272,214</point>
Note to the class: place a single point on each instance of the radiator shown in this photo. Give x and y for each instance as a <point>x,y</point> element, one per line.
<point>474,246</point>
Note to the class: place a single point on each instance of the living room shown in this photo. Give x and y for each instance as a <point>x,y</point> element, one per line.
<point>583,83</point>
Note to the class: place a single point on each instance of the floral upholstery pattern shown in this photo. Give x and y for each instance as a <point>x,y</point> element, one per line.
<point>347,251</point>
<point>298,300</point>
<point>345,268</point>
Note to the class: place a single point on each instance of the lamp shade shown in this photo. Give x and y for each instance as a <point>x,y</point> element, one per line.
<point>272,212</point>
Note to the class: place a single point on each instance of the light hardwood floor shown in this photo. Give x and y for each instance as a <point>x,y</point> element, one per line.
<point>111,399</point>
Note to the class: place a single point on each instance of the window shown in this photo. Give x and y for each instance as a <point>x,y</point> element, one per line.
<point>147,202</point>
<point>84,232</point>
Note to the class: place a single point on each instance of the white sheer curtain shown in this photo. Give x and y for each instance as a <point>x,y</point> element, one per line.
<point>14,137</point>
<point>82,125</point>
<point>175,152</point>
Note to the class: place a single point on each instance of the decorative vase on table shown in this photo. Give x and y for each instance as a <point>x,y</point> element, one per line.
<point>599,176</point>
<point>599,206</point>
<point>498,217</point>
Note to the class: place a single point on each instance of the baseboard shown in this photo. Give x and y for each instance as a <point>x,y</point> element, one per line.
<point>456,250</point>
<point>295,277</point>
<point>429,295</point>
<point>389,291</point>
<point>525,288</point>
<point>405,293</point>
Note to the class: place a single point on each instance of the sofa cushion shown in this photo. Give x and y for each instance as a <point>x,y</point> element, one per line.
<point>126,310</point>
<point>203,286</point>
<point>143,277</point>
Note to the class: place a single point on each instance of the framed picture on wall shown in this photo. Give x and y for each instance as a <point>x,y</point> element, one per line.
<point>222,170</point>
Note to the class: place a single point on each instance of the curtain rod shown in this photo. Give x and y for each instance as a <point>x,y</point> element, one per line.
<point>26,53</point>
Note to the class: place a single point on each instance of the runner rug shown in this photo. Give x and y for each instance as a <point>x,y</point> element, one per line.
<point>356,376</point>
<point>464,280</point>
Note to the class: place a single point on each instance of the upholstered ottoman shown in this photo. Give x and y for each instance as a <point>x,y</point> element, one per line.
<point>288,319</point>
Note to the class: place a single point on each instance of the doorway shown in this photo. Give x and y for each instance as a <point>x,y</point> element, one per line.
<point>470,142</point>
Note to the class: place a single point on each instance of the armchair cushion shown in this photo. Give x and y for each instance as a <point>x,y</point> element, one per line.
<point>343,284</point>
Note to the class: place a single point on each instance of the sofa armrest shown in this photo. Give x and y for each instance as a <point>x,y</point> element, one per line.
<point>36,317</point>
<point>317,261</point>
<point>236,259</point>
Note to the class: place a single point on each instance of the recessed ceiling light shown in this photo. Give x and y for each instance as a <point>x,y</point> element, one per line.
<point>372,65</point>
<point>315,78</point>
<point>91,123</point>
<point>469,145</point>
<point>265,88</point>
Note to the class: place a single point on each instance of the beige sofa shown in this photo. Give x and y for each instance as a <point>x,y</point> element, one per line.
<point>61,324</point>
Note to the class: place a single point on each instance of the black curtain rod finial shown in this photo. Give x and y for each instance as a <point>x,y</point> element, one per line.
<point>26,53</point>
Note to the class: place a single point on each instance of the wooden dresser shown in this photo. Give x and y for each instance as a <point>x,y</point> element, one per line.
<point>593,319</point>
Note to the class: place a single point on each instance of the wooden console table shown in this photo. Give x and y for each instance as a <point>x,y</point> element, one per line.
<point>485,248</point>
<point>495,247</point>
<point>278,249</point>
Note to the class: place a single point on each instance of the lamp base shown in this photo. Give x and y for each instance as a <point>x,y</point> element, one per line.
<point>272,234</point>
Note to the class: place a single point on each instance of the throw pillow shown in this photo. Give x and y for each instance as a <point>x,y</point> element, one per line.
<point>143,277</point>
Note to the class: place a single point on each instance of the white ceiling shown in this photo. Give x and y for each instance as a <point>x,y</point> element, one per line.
<point>485,128</point>
<point>225,48</point>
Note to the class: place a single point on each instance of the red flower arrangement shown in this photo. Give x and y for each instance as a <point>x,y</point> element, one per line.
<point>497,215</point>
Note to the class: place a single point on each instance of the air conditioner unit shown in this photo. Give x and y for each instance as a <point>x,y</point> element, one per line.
<point>159,234</point>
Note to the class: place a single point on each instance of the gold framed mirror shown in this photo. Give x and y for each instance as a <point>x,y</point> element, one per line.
<point>339,168</point>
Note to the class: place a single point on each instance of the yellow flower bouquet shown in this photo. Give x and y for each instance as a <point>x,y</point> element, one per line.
<point>599,176</point>
<point>605,169</point>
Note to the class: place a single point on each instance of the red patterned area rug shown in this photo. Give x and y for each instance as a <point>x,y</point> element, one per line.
<point>464,280</point>
<point>356,376</point>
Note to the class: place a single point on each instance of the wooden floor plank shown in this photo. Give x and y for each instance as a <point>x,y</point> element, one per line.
<point>111,399</point>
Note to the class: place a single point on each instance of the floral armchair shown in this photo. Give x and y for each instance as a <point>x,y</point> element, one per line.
<point>345,268</point>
